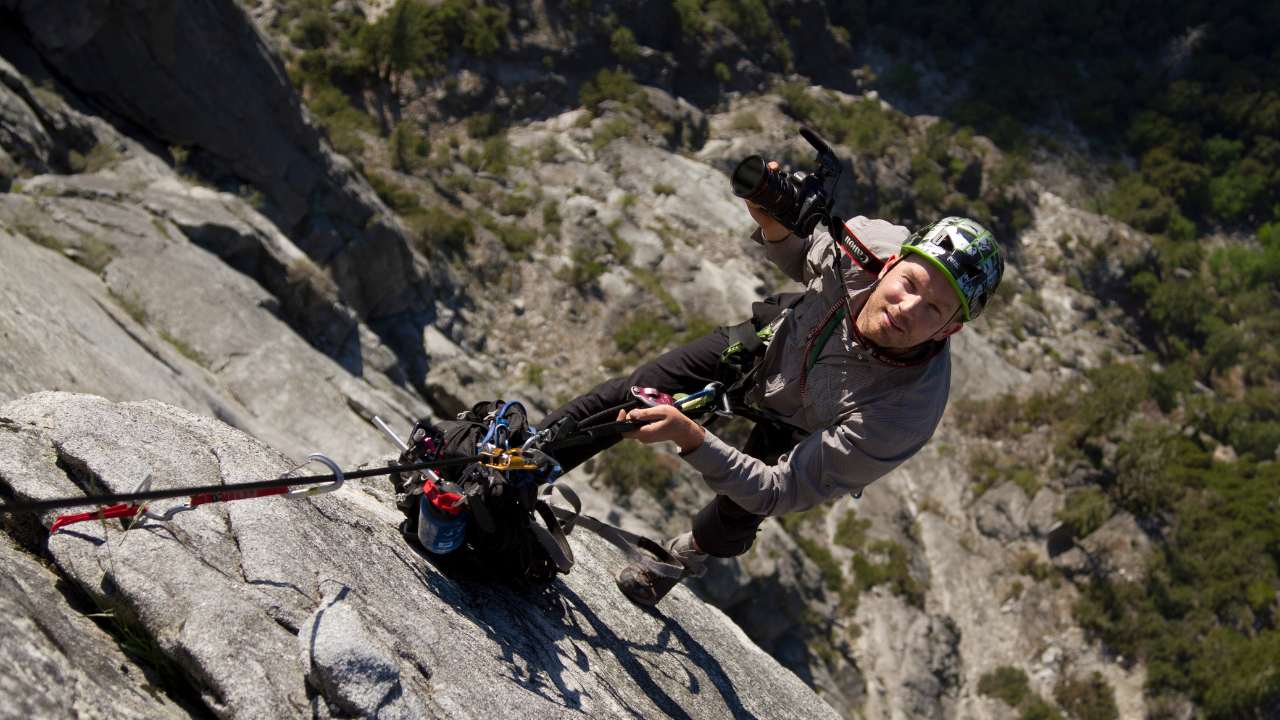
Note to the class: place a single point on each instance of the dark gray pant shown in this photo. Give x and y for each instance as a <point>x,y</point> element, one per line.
<point>722,528</point>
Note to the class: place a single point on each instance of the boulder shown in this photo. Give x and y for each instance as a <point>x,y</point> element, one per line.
<point>914,656</point>
<point>1001,512</point>
<point>1121,548</point>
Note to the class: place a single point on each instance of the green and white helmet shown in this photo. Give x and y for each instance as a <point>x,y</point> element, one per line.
<point>967,253</point>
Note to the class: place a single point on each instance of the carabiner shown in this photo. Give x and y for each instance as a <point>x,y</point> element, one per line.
<point>320,489</point>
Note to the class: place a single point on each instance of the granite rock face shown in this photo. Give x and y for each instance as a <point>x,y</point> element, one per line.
<point>60,664</point>
<point>213,87</point>
<point>317,606</point>
<point>272,290</point>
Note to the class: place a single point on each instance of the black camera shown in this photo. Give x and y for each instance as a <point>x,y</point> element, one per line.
<point>798,200</point>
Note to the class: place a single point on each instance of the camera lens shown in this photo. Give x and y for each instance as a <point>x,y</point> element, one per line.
<point>748,176</point>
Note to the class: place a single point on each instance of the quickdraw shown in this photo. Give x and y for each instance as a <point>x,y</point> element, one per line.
<point>134,504</point>
<point>137,511</point>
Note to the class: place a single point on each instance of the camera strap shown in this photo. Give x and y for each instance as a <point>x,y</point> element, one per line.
<point>855,250</point>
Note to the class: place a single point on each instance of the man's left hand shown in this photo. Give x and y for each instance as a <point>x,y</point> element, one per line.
<point>665,423</point>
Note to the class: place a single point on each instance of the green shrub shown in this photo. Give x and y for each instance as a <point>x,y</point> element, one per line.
<point>624,46</point>
<point>408,146</point>
<point>548,150</point>
<point>629,466</point>
<point>495,157</point>
<point>1114,392</point>
<point>88,251</point>
<point>649,280</point>
<point>534,374</point>
<point>616,85</point>
<point>184,349</point>
<point>1149,468</point>
<point>1029,564</point>
<point>1140,204</point>
<point>691,17</point>
<point>485,30</point>
<point>518,239</point>
<point>929,189</point>
<point>437,230</point>
<point>798,103</point>
<point>610,130</point>
<point>551,217</point>
<point>1086,510</point>
<point>585,267</point>
<point>643,335</point>
<point>851,531</point>
<point>132,305</point>
<point>832,577</point>
<point>1090,699</point>
<point>893,570</point>
<point>343,123</point>
<point>517,204</point>
<point>748,19</point>
<point>101,156</point>
<point>398,198</point>
<point>482,125</point>
<point>1010,684</point>
<point>1239,192</point>
<point>863,124</point>
<point>1037,709</point>
<point>1005,683</point>
<point>313,29</point>
<point>406,38</point>
<point>746,122</point>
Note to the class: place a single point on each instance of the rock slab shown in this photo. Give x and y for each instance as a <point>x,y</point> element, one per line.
<point>318,607</point>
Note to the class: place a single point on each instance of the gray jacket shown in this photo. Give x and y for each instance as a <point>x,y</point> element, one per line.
<point>866,416</point>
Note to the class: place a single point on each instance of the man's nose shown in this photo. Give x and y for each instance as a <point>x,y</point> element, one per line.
<point>911,304</point>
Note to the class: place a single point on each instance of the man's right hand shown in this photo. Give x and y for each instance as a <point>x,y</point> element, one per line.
<point>772,230</point>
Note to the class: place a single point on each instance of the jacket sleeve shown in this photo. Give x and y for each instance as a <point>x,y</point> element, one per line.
<point>801,259</point>
<point>843,458</point>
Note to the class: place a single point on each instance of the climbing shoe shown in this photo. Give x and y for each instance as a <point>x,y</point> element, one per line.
<point>648,579</point>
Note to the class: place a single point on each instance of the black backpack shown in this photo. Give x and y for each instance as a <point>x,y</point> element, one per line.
<point>504,539</point>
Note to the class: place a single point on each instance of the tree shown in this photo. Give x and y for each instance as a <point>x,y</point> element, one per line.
<point>404,39</point>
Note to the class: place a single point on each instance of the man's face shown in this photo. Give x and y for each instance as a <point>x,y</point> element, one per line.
<point>912,304</point>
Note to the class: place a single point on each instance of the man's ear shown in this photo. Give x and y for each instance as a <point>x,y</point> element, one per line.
<point>948,330</point>
<point>888,265</point>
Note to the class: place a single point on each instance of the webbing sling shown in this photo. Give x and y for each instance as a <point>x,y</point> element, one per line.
<point>630,543</point>
<point>561,521</point>
<point>823,336</point>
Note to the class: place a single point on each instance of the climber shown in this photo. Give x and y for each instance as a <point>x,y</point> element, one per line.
<point>851,380</point>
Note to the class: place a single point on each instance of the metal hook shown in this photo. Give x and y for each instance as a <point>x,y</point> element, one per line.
<point>144,510</point>
<point>320,489</point>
